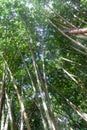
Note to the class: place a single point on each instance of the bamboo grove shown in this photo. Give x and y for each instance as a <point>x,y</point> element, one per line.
<point>43,65</point>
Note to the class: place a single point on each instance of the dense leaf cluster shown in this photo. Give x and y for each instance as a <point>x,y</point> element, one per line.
<point>44,68</point>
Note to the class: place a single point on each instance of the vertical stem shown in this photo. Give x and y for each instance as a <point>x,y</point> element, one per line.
<point>39,81</point>
<point>46,92</point>
<point>19,97</point>
<point>42,115</point>
<point>34,89</point>
<point>21,127</point>
<point>2,120</point>
<point>9,112</point>
<point>21,123</point>
<point>6,122</point>
<point>2,91</point>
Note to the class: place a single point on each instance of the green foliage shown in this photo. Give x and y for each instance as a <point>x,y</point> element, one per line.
<point>21,21</point>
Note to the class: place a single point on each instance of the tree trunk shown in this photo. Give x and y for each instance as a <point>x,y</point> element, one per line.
<point>76,31</point>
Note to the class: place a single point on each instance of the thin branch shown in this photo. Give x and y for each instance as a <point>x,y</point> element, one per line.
<point>46,89</point>
<point>28,71</point>
<point>39,81</point>
<point>73,79</point>
<point>19,97</point>
<point>75,109</point>
<point>72,62</point>
<point>34,89</point>
<point>57,14</point>
<point>79,51</point>
<point>75,42</point>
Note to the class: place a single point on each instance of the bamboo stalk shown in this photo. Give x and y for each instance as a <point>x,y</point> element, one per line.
<point>19,97</point>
